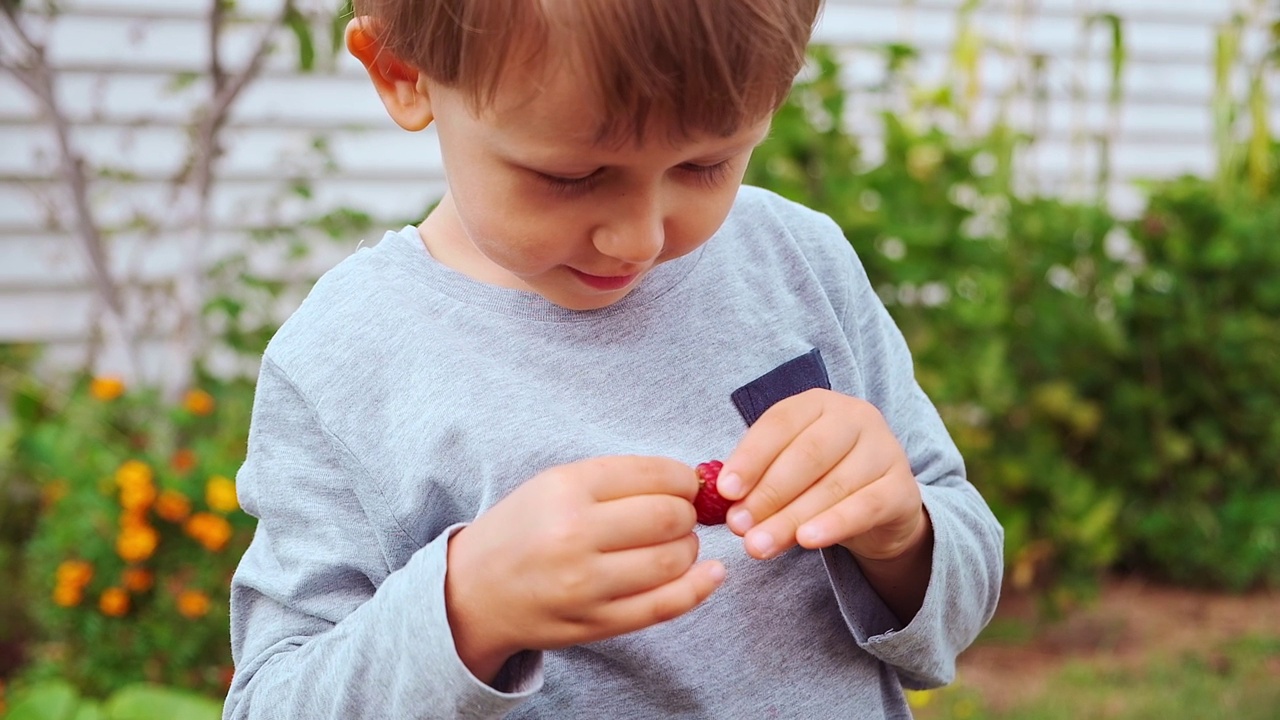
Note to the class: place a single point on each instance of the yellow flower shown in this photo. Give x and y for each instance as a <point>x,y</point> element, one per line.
<point>67,595</point>
<point>198,402</point>
<point>138,497</point>
<point>106,388</point>
<point>74,573</point>
<point>220,494</point>
<point>918,698</point>
<point>114,602</point>
<point>211,531</point>
<point>193,604</point>
<point>139,580</point>
<point>136,543</point>
<point>173,506</point>
<point>133,473</point>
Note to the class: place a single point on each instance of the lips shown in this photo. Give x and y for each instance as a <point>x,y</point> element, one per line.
<point>605,282</point>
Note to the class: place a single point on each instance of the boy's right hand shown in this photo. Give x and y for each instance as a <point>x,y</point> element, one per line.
<point>579,553</point>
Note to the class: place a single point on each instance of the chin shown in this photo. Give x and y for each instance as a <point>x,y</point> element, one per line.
<point>582,304</point>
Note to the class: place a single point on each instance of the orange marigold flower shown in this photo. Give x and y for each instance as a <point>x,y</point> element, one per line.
<point>198,402</point>
<point>132,473</point>
<point>183,460</point>
<point>173,506</point>
<point>137,498</point>
<point>133,518</point>
<point>74,573</point>
<point>136,543</point>
<point>114,602</point>
<point>211,531</point>
<point>106,388</point>
<point>220,494</point>
<point>193,604</point>
<point>139,580</point>
<point>67,595</point>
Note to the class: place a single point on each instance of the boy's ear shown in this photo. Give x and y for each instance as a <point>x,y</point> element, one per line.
<point>395,80</point>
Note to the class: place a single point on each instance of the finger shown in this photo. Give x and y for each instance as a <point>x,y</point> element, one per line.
<point>627,572</point>
<point>764,441</point>
<point>889,506</point>
<point>640,521</point>
<point>619,477</point>
<point>810,456</point>
<point>663,603</point>
<point>777,532</point>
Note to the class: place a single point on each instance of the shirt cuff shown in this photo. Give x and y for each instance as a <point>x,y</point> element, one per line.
<point>520,677</point>
<point>913,650</point>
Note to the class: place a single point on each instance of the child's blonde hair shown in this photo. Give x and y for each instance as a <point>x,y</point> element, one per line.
<point>699,66</point>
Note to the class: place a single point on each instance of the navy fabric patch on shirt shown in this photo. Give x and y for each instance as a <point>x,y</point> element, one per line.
<point>790,378</point>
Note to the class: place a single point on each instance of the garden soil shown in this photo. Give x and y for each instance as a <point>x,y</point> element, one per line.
<point>1129,625</point>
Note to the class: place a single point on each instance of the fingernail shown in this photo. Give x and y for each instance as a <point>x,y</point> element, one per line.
<point>762,543</point>
<point>739,520</point>
<point>729,485</point>
<point>809,535</point>
<point>717,572</point>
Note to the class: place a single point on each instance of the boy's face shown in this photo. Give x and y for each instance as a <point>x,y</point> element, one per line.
<point>534,203</point>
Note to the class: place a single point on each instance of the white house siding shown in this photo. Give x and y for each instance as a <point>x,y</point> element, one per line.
<point>117,60</point>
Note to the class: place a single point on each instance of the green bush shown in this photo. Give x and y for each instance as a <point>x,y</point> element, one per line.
<point>1113,386</point>
<point>1196,424</point>
<point>136,533</point>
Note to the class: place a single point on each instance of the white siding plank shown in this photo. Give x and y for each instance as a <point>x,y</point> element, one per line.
<point>48,262</point>
<point>25,209</point>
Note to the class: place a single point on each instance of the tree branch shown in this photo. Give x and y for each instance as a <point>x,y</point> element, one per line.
<point>207,148</point>
<point>35,75</point>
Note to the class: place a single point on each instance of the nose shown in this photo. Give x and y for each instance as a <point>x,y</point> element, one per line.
<point>633,233</point>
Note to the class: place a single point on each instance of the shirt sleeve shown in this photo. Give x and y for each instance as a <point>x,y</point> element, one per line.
<point>968,550</point>
<point>321,627</point>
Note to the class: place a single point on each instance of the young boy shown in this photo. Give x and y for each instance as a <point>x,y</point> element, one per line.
<point>471,452</point>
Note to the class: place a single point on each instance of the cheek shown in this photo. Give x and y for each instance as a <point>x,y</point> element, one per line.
<point>697,218</point>
<point>521,239</point>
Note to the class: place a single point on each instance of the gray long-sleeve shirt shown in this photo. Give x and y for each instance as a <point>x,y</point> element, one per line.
<point>403,399</point>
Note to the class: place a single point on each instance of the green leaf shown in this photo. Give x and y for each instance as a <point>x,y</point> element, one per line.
<point>338,27</point>
<point>51,700</point>
<point>154,702</point>
<point>297,22</point>
<point>181,81</point>
<point>89,710</point>
<point>1119,56</point>
<point>1260,141</point>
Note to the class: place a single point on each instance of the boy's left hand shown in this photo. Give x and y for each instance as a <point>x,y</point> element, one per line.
<point>819,469</point>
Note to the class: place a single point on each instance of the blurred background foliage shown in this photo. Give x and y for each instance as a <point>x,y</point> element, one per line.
<point>1113,383</point>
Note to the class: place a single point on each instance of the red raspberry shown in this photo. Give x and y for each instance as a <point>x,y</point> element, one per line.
<point>710,506</point>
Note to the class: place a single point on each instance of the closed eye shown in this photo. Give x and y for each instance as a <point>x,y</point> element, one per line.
<point>707,175</point>
<point>571,185</point>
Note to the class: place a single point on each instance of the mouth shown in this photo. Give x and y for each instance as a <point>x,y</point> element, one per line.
<point>605,282</point>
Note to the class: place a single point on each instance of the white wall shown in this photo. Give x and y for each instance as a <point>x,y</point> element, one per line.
<point>117,60</point>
